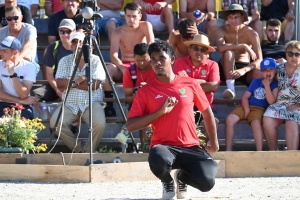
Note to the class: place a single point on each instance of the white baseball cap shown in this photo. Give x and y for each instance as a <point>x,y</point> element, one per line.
<point>78,35</point>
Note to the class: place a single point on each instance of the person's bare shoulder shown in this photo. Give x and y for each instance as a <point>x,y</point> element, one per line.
<point>145,24</point>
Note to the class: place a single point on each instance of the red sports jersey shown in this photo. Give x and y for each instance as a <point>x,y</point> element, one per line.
<point>141,77</point>
<point>178,127</point>
<point>208,70</point>
<point>152,2</point>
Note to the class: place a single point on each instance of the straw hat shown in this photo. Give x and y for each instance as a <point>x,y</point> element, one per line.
<point>201,40</point>
<point>234,7</point>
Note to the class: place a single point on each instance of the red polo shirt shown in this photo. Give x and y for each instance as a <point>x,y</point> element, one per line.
<point>208,70</point>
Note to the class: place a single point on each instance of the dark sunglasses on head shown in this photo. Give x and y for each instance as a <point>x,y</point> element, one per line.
<point>291,54</point>
<point>202,50</point>
<point>12,18</point>
<point>63,32</point>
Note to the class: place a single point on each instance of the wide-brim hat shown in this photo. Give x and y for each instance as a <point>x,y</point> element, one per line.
<point>201,40</point>
<point>234,7</point>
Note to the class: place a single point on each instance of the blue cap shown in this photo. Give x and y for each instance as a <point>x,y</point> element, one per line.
<point>10,42</point>
<point>268,63</point>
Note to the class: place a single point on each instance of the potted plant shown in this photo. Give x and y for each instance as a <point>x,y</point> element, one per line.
<point>19,134</point>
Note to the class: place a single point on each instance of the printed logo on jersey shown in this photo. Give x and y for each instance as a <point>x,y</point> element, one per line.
<point>182,91</point>
<point>203,72</point>
<point>260,93</point>
<point>158,96</point>
<point>188,70</point>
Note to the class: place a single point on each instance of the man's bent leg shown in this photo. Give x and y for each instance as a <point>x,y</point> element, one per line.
<point>98,125</point>
<point>167,17</point>
<point>66,134</point>
<point>210,28</point>
<point>289,31</point>
<point>228,62</point>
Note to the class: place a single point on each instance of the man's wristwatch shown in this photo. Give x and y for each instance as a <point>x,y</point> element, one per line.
<point>75,83</point>
<point>15,75</point>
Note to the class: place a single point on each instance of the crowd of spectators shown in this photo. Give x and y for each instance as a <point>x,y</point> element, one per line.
<point>247,36</point>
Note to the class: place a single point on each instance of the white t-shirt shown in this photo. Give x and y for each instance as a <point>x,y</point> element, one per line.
<point>26,3</point>
<point>25,71</point>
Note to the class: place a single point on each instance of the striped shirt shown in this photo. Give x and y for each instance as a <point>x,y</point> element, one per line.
<point>79,99</point>
<point>248,5</point>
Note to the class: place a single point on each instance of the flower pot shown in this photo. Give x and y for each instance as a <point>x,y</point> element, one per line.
<point>11,150</point>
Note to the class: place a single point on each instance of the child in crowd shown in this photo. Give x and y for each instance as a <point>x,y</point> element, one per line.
<point>260,93</point>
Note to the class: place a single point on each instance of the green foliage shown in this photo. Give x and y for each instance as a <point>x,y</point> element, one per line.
<point>105,149</point>
<point>20,132</point>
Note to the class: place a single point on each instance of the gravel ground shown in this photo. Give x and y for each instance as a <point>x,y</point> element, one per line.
<point>228,188</point>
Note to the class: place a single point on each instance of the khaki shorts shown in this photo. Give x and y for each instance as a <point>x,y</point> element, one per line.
<point>255,113</point>
<point>264,24</point>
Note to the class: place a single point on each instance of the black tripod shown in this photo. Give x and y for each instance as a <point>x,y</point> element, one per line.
<point>86,51</point>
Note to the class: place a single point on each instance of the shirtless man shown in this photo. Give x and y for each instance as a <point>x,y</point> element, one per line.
<point>239,45</point>
<point>187,29</point>
<point>125,38</point>
<point>206,23</point>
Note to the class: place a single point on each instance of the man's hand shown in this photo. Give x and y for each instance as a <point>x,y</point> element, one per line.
<point>266,82</point>
<point>157,6</point>
<point>247,112</point>
<point>235,74</point>
<point>169,105</point>
<point>10,67</point>
<point>280,60</point>
<point>147,7</point>
<point>294,107</point>
<point>192,30</point>
<point>290,16</point>
<point>28,101</point>
<point>250,52</point>
<point>212,147</point>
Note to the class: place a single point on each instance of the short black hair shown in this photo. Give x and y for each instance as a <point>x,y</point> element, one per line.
<point>273,22</point>
<point>140,49</point>
<point>133,6</point>
<point>184,25</point>
<point>159,46</point>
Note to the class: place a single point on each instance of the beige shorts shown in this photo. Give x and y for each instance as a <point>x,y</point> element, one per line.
<point>264,23</point>
<point>255,113</point>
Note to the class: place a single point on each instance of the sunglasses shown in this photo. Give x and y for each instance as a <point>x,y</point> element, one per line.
<point>63,32</point>
<point>202,50</point>
<point>12,18</point>
<point>291,54</point>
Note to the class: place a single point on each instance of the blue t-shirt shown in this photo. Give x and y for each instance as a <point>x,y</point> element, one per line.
<point>258,92</point>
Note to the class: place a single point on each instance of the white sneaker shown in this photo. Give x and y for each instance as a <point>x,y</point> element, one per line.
<point>168,190</point>
<point>228,94</point>
<point>181,188</point>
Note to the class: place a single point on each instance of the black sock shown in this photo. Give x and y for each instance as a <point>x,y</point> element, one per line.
<point>109,94</point>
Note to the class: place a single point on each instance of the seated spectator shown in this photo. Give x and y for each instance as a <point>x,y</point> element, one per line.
<point>32,5</point>
<point>52,55</point>
<point>71,9</point>
<point>125,38</point>
<point>240,49</point>
<point>283,10</point>
<point>260,94</point>
<point>187,29</point>
<point>272,49</point>
<point>53,6</point>
<point>159,13</point>
<point>286,108</point>
<point>76,106</point>
<point>25,33</point>
<point>138,75</point>
<point>26,15</point>
<point>111,17</point>
<point>198,66</point>
<point>251,7</point>
<point>17,78</point>
<point>207,23</point>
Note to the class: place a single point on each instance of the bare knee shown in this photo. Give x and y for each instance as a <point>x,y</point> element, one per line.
<point>111,25</point>
<point>212,24</point>
<point>230,120</point>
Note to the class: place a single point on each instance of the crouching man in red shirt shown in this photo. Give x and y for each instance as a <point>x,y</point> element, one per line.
<point>167,103</point>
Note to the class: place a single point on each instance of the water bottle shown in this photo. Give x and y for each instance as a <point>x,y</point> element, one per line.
<point>197,13</point>
<point>117,160</point>
<point>44,109</point>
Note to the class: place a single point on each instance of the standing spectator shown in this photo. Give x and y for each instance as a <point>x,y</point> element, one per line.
<point>272,49</point>
<point>71,9</point>
<point>260,94</point>
<point>32,5</point>
<point>53,6</point>
<point>167,104</point>
<point>240,49</point>
<point>187,29</point>
<point>110,10</point>
<point>207,23</point>
<point>52,55</point>
<point>26,15</point>
<point>138,75</point>
<point>25,33</point>
<point>286,108</point>
<point>125,38</point>
<point>251,7</point>
<point>17,78</point>
<point>199,67</point>
<point>159,13</point>
<point>283,10</point>
<point>76,105</point>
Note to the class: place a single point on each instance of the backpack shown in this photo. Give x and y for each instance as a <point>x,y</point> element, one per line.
<point>132,70</point>
<point>55,50</point>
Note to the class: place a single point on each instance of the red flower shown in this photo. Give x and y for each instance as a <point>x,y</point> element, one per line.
<point>18,106</point>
